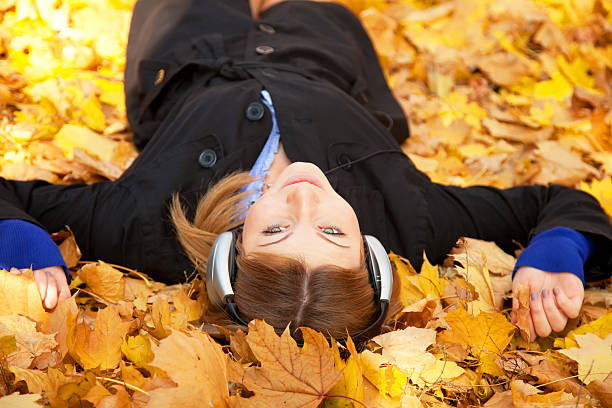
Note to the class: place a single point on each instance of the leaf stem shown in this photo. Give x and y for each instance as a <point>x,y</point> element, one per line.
<point>126,385</point>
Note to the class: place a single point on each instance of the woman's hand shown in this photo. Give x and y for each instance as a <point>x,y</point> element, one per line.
<point>52,285</point>
<point>554,297</point>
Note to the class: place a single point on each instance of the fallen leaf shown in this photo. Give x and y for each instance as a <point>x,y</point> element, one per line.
<point>523,313</point>
<point>601,327</point>
<point>602,390</point>
<point>103,280</point>
<point>288,374</point>
<point>485,336</point>
<point>100,347</point>
<point>19,295</point>
<point>593,356</point>
<point>17,400</point>
<point>30,343</point>
<point>555,377</point>
<point>137,349</point>
<point>197,365</point>
<point>351,383</point>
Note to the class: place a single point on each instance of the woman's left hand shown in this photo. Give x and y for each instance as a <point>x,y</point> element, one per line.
<point>554,297</point>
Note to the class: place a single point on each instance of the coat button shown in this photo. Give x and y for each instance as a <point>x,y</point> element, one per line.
<point>161,74</point>
<point>266,28</point>
<point>344,160</point>
<point>254,111</point>
<point>207,158</point>
<point>264,49</point>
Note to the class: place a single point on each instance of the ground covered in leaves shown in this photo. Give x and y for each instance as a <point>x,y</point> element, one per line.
<point>498,92</point>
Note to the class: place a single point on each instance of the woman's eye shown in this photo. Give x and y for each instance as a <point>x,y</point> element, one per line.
<point>274,229</point>
<point>331,231</point>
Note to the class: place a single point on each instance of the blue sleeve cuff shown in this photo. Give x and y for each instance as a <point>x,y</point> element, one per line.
<point>557,250</point>
<point>24,245</point>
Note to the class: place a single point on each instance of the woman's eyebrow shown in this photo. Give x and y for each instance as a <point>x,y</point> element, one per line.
<point>322,235</point>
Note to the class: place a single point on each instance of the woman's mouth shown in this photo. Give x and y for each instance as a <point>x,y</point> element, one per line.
<point>303,178</point>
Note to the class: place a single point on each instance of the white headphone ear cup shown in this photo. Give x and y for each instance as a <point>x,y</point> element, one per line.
<point>219,267</point>
<point>380,267</point>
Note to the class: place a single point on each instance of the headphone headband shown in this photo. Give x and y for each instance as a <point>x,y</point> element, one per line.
<point>221,272</point>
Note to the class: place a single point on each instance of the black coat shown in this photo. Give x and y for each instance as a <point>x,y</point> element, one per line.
<point>193,80</point>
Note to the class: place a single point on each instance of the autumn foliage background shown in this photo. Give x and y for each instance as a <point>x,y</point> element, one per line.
<point>497,92</point>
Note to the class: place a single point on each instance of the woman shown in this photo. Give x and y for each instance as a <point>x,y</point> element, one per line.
<point>292,92</point>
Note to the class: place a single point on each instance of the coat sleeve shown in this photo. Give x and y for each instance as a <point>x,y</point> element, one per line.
<point>515,215</point>
<point>101,215</point>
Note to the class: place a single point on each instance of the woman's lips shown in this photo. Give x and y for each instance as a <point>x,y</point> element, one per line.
<point>303,178</point>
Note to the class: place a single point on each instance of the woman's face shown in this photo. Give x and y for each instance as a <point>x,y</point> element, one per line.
<point>301,215</point>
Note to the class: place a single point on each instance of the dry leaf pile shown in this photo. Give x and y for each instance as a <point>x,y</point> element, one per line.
<point>498,92</point>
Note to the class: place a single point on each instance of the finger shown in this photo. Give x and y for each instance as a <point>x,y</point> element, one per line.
<point>569,306</point>
<point>556,318</point>
<point>538,316</point>
<point>40,277</point>
<point>62,284</point>
<point>51,297</point>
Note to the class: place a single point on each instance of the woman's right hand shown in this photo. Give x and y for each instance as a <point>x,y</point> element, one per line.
<point>52,285</point>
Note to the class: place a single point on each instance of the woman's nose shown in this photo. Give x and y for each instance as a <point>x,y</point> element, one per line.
<point>303,196</point>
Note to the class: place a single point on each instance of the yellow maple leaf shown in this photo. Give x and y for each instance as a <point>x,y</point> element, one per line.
<point>430,281</point>
<point>485,336</point>
<point>386,377</point>
<point>351,383</point>
<point>138,350</point>
<point>197,365</point>
<point>601,327</point>
<point>593,356</point>
<point>100,347</point>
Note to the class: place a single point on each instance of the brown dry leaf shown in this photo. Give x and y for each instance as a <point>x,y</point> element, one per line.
<point>418,314</point>
<point>593,356</point>
<point>100,347</point>
<point>19,295</point>
<point>103,280</point>
<point>602,390</point>
<point>30,343</point>
<point>288,374</point>
<point>555,377</point>
<point>197,365</point>
<point>68,247</point>
<point>241,349</point>
<point>523,313</point>
<point>485,336</point>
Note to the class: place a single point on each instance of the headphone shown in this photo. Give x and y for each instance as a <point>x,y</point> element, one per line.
<point>221,272</point>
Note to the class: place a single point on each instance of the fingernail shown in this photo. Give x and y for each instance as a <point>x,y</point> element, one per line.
<point>556,291</point>
<point>544,293</point>
<point>534,296</point>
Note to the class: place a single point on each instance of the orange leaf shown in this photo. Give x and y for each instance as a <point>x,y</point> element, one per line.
<point>289,376</point>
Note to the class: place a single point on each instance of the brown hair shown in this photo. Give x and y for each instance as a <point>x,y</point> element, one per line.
<point>282,291</point>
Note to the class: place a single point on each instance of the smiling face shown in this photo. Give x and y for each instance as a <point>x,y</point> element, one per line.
<point>301,216</point>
